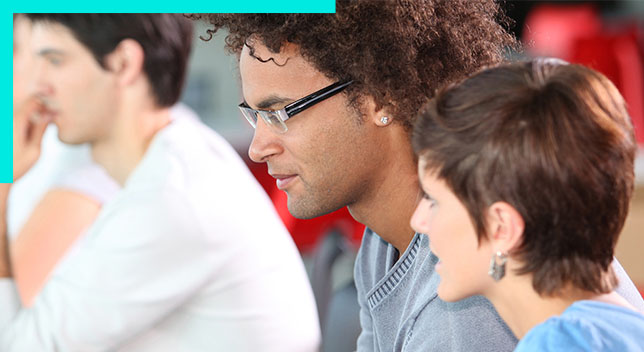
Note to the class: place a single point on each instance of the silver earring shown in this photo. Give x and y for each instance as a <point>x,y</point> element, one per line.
<point>384,120</point>
<point>497,265</point>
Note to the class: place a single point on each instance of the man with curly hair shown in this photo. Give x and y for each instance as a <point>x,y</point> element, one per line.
<point>332,98</point>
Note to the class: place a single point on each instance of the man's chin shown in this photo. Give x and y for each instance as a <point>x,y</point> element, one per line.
<point>69,139</point>
<point>305,209</point>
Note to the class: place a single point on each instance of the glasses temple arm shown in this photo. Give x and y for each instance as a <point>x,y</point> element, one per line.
<point>314,98</point>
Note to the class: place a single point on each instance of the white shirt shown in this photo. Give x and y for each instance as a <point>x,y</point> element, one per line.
<point>189,256</point>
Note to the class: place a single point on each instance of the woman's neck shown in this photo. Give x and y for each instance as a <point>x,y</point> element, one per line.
<point>522,308</point>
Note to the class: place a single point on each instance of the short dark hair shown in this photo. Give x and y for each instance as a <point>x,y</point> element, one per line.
<point>553,140</point>
<point>166,40</point>
<point>398,52</point>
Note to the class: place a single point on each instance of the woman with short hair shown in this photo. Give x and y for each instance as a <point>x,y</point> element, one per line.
<point>539,157</point>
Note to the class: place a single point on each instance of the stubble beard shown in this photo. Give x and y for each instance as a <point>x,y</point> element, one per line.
<point>314,204</point>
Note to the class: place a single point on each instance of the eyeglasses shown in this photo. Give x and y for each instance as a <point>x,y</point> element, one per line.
<point>276,119</point>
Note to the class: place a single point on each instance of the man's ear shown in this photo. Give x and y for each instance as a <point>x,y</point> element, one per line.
<point>126,61</point>
<point>374,114</point>
<point>505,227</point>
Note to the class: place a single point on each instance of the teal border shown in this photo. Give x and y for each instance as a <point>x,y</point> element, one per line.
<point>229,6</point>
<point>6,100</point>
<point>221,6</point>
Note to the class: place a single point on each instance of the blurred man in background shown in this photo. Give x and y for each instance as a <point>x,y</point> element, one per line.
<point>171,263</point>
<point>64,181</point>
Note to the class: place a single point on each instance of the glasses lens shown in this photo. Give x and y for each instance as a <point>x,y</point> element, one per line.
<point>250,115</point>
<point>275,120</point>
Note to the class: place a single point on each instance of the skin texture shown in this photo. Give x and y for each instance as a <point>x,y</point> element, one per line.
<point>331,156</point>
<point>78,91</point>
<point>5,265</point>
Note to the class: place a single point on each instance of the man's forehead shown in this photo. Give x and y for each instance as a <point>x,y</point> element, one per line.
<point>52,35</point>
<point>286,73</point>
<point>21,32</point>
<point>262,53</point>
<point>287,62</point>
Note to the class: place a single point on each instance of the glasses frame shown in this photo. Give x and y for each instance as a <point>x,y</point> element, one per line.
<point>276,119</point>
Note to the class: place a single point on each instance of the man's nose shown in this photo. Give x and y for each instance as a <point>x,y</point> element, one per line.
<point>265,143</point>
<point>40,83</point>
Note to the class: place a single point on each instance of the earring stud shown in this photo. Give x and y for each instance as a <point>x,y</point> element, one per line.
<point>384,120</point>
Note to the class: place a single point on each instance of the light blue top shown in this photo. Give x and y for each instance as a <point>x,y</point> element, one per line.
<point>588,326</point>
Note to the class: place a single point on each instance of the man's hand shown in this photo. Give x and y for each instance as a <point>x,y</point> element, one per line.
<point>30,120</point>
<point>5,263</point>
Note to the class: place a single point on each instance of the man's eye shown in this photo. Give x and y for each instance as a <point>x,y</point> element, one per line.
<point>54,61</point>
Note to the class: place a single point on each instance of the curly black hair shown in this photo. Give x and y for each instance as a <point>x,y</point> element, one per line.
<point>398,52</point>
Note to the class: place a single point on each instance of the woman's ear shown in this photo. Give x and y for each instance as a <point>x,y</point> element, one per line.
<point>505,226</point>
<point>126,61</point>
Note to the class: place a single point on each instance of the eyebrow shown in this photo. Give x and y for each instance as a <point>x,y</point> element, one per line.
<point>272,101</point>
<point>49,51</point>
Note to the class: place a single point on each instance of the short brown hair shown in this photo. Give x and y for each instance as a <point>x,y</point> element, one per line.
<point>553,140</point>
<point>398,52</point>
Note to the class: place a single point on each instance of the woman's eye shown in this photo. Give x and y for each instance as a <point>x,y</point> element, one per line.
<point>431,201</point>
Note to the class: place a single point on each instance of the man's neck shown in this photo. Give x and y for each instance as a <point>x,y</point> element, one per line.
<point>122,151</point>
<point>388,205</point>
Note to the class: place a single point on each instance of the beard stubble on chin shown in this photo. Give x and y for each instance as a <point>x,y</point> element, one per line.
<point>315,203</point>
<point>309,207</point>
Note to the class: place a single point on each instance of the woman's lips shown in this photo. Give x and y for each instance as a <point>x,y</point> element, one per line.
<point>439,263</point>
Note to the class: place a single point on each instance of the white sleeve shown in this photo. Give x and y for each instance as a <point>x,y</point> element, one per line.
<point>140,260</point>
<point>9,301</point>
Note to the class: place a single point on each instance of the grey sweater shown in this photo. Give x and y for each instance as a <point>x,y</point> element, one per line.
<point>400,309</point>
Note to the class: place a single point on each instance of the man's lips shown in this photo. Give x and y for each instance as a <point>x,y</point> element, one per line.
<point>43,111</point>
<point>283,180</point>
